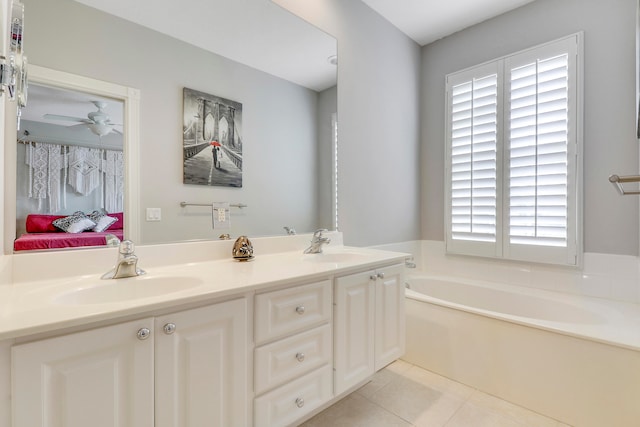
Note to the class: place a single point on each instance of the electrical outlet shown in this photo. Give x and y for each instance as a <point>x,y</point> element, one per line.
<point>154,214</point>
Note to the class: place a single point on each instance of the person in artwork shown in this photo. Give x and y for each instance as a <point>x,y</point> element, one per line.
<point>216,156</point>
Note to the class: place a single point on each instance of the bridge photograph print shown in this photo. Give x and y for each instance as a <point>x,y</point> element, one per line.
<point>212,140</point>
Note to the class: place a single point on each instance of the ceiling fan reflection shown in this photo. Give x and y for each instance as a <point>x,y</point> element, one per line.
<point>98,122</point>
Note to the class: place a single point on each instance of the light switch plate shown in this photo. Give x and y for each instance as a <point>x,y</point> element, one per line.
<point>154,214</point>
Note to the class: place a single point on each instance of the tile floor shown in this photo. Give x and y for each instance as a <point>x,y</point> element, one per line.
<point>405,395</point>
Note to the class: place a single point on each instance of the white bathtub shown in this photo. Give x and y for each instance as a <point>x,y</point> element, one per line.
<point>576,359</point>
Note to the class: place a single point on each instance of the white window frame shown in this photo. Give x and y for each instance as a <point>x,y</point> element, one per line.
<point>334,168</point>
<point>502,248</point>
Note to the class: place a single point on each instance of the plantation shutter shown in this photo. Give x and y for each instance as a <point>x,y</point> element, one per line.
<point>538,152</point>
<point>512,158</point>
<point>473,159</point>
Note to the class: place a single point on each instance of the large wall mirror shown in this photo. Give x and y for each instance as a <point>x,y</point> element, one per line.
<point>288,123</point>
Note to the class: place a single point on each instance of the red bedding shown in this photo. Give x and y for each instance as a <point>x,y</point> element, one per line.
<point>34,241</point>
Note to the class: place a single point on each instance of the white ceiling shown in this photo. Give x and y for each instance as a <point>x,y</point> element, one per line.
<point>426,21</point>
<point>258,33</point>
<point>263,35</point>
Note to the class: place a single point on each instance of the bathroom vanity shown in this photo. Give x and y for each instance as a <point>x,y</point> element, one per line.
<point>210,342</point>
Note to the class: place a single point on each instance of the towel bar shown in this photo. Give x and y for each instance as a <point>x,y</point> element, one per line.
<point>619,180</point>
<point>235,205</point>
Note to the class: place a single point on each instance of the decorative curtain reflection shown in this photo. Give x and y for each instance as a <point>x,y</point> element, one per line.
<point>52,166</point>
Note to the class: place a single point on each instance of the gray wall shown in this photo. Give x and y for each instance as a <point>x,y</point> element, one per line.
<point>378,121</point>
<point>279,120</point>
<point>610,146</point>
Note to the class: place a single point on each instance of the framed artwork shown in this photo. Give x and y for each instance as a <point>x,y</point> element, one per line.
<point>212,140</point>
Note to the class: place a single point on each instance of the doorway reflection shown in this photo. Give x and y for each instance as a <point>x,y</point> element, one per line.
<point>70,170</point>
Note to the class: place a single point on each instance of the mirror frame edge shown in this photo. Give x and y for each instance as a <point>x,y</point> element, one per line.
<point>131,133</point>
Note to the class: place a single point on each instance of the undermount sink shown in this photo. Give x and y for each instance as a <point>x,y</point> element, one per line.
<point>109,291</point>
<point>335,257</point>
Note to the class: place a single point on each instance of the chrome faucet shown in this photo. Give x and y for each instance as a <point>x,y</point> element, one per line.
<point>127,264</point>
<point>317,241</point>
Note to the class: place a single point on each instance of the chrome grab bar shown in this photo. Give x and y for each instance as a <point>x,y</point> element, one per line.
<point>619,180</point>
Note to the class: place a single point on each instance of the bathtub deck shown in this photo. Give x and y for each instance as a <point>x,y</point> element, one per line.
<point>406,395</point>
<point>596,319</point>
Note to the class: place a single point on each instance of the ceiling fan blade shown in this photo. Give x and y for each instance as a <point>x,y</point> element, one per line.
<point>114,130</point>
<point>66,118</point>
<point>79,126</point>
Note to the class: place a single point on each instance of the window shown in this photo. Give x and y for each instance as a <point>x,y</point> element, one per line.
<point>334,180</point>
<point>513,156</point>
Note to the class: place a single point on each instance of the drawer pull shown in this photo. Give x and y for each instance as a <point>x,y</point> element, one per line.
<point>300,357</point>
<point>143,333</point>
<point>300,309</point>
<point>169,328</point>
<point>299,402</point>
<point>373,277</point>
<point>381,275</point>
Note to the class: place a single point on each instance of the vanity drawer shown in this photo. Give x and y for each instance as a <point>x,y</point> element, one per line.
<point>294,400</point>
<point>283,360</point>
<point>290,310</point>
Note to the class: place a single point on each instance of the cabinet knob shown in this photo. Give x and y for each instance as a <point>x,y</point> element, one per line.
<point>381,275</point>
<point>300,309</point>
<point>169,328</point>
<point>143,333</point>
<point>373,277</point>
<point>299,402</point>
<point>300,357</point>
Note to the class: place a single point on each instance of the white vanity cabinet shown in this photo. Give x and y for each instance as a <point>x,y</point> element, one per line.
<point>292,358</point>
<point>106,376</point>
<point>369,324</point>
<point>201,366</point>
<point>390,330</point>
<point>249,353</point>
<point>101,377</point>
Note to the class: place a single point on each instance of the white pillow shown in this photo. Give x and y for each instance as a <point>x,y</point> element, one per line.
<point>74,223</point>
<point>81,225</point>
<point>101,219</point>
<point>103,223</point>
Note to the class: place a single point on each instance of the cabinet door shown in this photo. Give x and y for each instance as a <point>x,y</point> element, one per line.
<point>98,378</point>
<point>201,367</point>
<point>354,329</point>
<point>390,315</point>
<point>5,383</point>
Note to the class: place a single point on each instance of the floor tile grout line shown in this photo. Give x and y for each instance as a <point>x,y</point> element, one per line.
<point>385,409</point>
<point>400,378</point>
<point>464,402</point>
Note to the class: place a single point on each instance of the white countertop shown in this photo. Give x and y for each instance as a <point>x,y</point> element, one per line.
<point>30,307</point>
